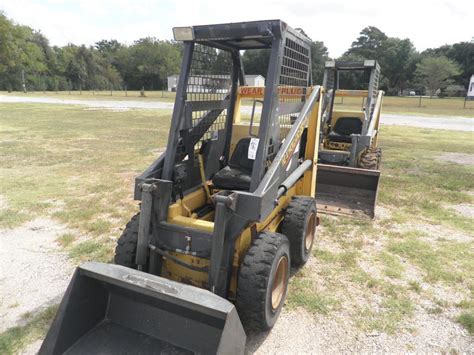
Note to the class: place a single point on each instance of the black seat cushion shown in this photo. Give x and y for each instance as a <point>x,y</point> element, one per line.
<point>232,179</point>
<point>334,137</point>
<point>237,175</point>
<point>344,127</point>
<point>239,159</point>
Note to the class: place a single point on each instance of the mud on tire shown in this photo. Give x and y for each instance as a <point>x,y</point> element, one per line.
<point>255,302</point>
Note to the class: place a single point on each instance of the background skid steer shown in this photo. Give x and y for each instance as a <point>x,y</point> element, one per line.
<point>349,157</point>
<point>224,211</point>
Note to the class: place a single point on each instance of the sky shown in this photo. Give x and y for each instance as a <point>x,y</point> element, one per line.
<point>337,23</point>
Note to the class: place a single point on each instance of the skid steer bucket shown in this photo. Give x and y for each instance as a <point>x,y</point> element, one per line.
<point>110,309</point>
<point>348,191</point>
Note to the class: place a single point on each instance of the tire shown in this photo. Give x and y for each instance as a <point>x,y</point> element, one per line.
<point>126,248</point>
<point>258,303</point>
<point>299,225</point>
<point>370,159</point>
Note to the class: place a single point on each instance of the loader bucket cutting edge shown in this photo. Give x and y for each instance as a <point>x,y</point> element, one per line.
<point>348,191</point>
<point>111,309</point>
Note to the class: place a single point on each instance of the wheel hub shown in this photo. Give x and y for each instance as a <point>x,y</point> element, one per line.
<point>279,282</point>
<point>310,232</point>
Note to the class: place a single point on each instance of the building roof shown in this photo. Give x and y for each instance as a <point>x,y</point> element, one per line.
<point>254,76</point>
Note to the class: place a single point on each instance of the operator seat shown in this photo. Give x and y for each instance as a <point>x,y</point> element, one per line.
<point>238,174</point>
<point>344,127</point>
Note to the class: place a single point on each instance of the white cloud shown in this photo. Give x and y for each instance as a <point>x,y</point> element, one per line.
<point>337,23</point>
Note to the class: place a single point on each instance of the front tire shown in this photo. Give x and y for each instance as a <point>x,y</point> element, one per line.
<point>126,248</point>
<point>263,281</point>
<point>370,159</point>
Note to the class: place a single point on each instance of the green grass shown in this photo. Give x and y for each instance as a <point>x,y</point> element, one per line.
<point>14,339</point>
<point>85,159</point>
<point>66,239</point>
<point>392,266</point>
<point>416,182</point>
<point>467,321</point>
<point>393,311</point>
<point>304,294</point>
<point>417,189</point>
<point>91,250</point>
<point>115,95</point>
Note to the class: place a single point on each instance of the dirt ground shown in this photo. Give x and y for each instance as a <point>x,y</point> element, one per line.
<point>33,271</point>
<point>300,332</point>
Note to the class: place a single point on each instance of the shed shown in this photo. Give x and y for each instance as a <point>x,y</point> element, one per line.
<point>201,83</point>
<point>254,80</point>
<point>173,82</point>
<point>470,89</point>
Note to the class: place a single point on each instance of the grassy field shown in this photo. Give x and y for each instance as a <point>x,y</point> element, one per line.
<point>100,95</point>
<point>401,105</point>
<point>77,166</point>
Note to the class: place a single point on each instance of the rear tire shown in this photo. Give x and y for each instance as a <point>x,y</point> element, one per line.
<point>299,225</point>
<point>126,248</point>
<point>263,281</point>
<point>370,159</point>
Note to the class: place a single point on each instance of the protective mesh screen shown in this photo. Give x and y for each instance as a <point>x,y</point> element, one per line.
<point>209,80</point>
<point>294,75</point>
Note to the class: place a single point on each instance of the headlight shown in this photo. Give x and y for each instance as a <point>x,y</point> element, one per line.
<point>330,64</point>
<point>369,63</point>
<point>183,33</point>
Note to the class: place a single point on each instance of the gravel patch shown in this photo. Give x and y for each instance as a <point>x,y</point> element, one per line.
<point>298,332</point>
<point>444,123</point>
<point>464,209</point>
<point>436,232</point>
<point>34,272</point>
<point>458,158</point>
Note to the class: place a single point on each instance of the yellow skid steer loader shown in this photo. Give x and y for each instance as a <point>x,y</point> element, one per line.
<point>225,210</point>
<point>349,157</point>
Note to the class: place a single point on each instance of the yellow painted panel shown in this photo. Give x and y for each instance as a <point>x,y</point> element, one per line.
<point>192,223</point>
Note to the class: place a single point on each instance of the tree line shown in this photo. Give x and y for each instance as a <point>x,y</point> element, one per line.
<point>28,61</point>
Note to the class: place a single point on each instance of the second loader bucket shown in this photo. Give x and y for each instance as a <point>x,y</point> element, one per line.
<point>346,191</point>
<point>111,309</point>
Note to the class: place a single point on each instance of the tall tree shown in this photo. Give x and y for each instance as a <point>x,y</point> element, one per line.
<point>319,56</point>
<point>462,53</point>
<point>256,62</point>
<point>369,43</point>
<point>393,54</point>
<point>396,62</point>
<point>436,72</point>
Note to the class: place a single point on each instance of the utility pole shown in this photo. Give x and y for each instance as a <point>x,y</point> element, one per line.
<point>23,80</point>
